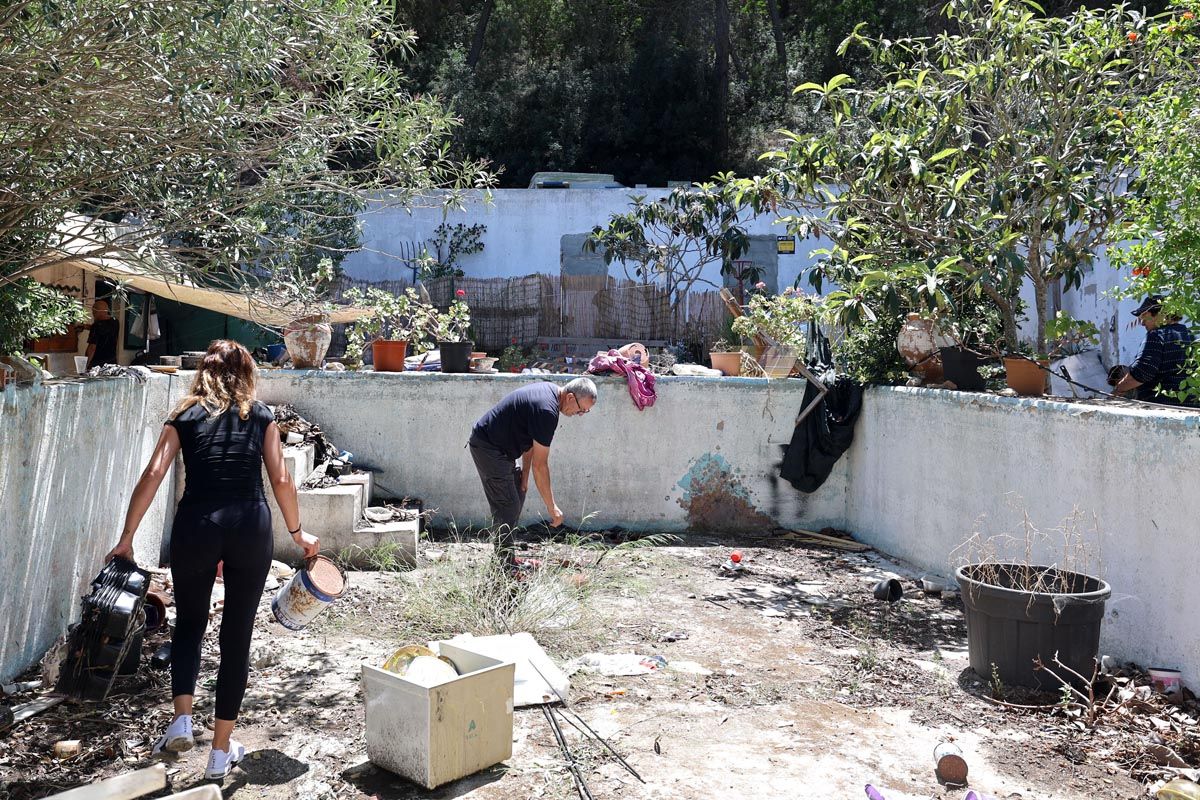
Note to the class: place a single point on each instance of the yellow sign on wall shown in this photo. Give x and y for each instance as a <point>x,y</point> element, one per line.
<point>785,245</point>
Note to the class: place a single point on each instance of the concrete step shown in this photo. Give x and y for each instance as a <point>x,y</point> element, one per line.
<point>371,535</point>
<point>328,514</point>
<point>350,544</point>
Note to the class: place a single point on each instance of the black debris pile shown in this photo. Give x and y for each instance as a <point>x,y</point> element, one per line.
<point>290,422</point>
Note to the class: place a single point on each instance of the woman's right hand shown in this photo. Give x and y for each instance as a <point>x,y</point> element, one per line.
<point>310,544</point>
<point>124,549</point>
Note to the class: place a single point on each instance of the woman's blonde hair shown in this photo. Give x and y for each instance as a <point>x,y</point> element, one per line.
<point>225,379</point>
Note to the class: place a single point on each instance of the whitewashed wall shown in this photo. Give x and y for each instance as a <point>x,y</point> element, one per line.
<point>928,468</point>
<point>70,454</point>
<point>524,232</point>
<point>525,228</point>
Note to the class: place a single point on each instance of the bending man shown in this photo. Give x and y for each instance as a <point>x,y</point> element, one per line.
<point>520,428</point>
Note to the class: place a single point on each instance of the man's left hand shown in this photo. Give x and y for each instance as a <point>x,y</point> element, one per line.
<point>524,482</point>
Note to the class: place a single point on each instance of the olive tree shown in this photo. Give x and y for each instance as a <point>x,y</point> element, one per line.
<point>239,135</point>
<point>985,157</point>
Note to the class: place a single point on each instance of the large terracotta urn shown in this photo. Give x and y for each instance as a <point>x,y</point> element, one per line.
<point>918,343</point>
<point>307,341</point>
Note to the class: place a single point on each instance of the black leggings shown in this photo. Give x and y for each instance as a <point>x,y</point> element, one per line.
<point>239,534</point>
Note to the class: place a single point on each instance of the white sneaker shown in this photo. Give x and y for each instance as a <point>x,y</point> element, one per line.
<point>221,762</point>
<point>177,739</point>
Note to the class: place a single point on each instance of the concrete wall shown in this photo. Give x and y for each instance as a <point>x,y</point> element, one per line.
<point>70,454</point>
<point>929,468</point>
<point>524,233</point>
<point>701,458</point>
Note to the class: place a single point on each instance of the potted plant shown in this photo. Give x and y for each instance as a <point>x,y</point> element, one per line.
<point>1019,613</point>
<point>1030,598</point>
<point>389,329</point>
<point>450,333</point>
<point>1027,375</point>
<point>783,320</point>
<point>512,359</point>
<point>725,357</point>
<point>308,335</point>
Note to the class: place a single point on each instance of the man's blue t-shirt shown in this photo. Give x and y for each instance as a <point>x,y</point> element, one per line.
<point>525,416</point>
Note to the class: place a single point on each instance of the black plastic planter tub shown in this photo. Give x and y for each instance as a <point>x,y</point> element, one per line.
<point>1010,628</point>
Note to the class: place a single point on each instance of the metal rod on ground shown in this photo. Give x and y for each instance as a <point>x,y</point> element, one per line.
<point>582,722</point>
<point>594,735</point>
<point>580,785</point>
<point>601,740</point>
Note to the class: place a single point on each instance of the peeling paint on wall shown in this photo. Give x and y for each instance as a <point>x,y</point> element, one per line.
<point>715,499</point>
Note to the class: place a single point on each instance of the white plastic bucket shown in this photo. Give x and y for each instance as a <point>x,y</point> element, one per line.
<point>307,593</point>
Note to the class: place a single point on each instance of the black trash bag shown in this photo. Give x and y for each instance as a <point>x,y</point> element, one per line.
<point>821,437</point>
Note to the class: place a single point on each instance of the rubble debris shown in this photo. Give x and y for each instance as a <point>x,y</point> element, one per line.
<point>289,421</point>
<point>616,664</point>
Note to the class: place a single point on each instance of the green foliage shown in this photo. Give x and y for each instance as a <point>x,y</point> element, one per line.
<point>1165,213</point>
<point>240,137</point>
<point>512,358</point>
<point>868,354</point>
<point>673,239</point>
<point>400,317</point>
<point>784,318</point>
<point>32,310</point>
<point>631,88</point>
<point>452,325</point>
<point>449,243</point>
<point>985,158</point>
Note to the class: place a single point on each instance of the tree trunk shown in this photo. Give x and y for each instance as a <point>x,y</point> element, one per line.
<point>1041,297</point>
<point>777,32</point>
<point>485,15</point>
<point>721,78</point>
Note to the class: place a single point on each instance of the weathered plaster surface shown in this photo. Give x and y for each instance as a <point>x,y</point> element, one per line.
<point>70,453</point>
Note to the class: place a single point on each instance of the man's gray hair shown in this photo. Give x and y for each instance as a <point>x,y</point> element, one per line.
<point>582,387</point>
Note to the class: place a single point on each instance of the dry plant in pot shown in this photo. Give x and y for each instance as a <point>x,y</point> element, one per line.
<point>1034,598</point>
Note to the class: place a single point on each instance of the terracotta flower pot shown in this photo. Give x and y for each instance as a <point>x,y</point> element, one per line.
<point>388,355</point>
<point>728,363</point>
<point>918,343</point>
<point>1026,377</point>
<point>307,341</point>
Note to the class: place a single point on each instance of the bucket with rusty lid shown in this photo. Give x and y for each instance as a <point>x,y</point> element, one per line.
<point>307,593</point>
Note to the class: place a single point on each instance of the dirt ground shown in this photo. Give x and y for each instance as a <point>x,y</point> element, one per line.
<point>816,689</point>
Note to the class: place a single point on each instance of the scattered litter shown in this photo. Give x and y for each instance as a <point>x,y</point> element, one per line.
<point>162,657</point>
<point>889,590</point>
<point>689,667</point>
<point>1179,789</point>
<point>616,664</point>
<point>289,421</point>
<point>20,686</point>
<point>281,571</point>
<point>949,764</point>
<point>673,636</point>
<point>67,748</point>
<point>734,563</point>
<point>1166,681</point>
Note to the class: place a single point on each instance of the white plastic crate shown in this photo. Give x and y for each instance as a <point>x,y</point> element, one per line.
<point>436,734</point>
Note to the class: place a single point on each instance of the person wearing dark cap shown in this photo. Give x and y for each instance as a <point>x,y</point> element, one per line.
<point>1160,366</point>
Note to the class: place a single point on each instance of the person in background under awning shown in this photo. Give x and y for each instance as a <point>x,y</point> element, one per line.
<point>1160,366</point>
<point>102,340</point>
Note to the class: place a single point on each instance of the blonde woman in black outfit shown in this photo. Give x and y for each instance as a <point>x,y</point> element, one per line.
<point>226,438</point>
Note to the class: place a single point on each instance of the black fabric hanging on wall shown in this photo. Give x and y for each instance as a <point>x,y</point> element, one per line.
<point>821,437</point>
